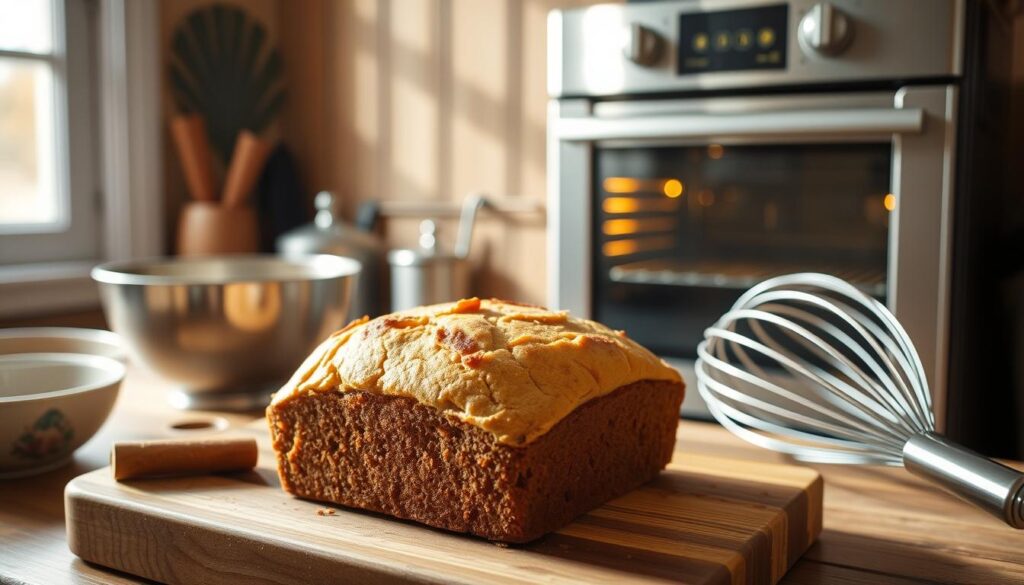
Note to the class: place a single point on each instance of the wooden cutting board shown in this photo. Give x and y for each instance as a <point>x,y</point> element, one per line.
<point>704,520</point>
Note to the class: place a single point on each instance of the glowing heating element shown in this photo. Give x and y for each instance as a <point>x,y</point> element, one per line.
<point>620,205</point>
<point>618,227</point>
<point>620,247</point>
<point>621,185</point>
<point>633,205</point>
<point>626,247</point>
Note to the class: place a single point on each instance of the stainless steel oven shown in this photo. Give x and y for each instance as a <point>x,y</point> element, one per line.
<point>696,148</point>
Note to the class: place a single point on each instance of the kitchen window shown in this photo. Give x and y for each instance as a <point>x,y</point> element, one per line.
<point>80,146</point>
<point>48,178</point>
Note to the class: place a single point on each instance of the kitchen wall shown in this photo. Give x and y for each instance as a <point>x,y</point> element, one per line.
<point>427,100</point>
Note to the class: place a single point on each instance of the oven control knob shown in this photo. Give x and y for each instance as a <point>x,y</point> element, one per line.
<point>825,30</point>
<point>641,45</point>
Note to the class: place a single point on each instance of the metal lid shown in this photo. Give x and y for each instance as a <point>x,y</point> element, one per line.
<point>327,234</point>
<point>324,204</point>
<point>426,254</point>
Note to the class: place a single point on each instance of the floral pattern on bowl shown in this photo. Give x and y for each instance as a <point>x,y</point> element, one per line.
<point>50,435</point>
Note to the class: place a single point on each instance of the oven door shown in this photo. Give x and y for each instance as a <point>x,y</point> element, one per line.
<point>662,212</point>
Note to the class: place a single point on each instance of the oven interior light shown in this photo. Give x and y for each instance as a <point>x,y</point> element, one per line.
<point>706,197</point>
<point>771,216</point>
<point>715,151</point>
<point>889,201</point>
<point>673,188</point>
<point>621,185</point>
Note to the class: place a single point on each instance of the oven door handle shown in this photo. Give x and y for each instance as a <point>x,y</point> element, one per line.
<point>809,123</point>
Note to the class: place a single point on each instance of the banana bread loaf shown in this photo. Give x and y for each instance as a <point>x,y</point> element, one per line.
<point>489,417</point>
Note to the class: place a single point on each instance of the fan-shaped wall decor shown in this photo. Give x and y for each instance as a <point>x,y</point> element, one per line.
<point>223,68</point>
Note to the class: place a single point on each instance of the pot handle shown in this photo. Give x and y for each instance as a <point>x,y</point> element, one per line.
<point>470,206</point>
<point>368,216</point>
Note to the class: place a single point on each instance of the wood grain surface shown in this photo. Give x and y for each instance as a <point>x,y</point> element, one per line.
<point>881,525</point>
<point>705,520</point>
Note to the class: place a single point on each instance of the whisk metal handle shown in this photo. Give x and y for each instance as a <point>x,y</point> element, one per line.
<point>991,486</point>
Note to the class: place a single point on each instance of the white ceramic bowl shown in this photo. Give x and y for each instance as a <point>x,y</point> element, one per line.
<point>50,404</point>
<point>62,340</point>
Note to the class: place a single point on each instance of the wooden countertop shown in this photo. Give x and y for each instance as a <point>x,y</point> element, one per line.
<point>881,524</point>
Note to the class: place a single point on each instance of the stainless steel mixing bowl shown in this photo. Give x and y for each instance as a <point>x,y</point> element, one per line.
<point>228,329</point>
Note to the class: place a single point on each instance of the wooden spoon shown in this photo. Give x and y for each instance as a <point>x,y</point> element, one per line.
<point>246,165</point>
<point>189,133</point>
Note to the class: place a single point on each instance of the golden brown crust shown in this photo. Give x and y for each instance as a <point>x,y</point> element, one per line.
<point>394,455</point>
<point>511,370</point>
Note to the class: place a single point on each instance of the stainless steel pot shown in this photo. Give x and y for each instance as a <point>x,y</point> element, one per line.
<point>329,235</point>
<point>427,275</point>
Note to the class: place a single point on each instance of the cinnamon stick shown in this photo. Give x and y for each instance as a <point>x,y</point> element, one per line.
<point>139,459</point>
<point>189,133</point>
<point>246,164</point>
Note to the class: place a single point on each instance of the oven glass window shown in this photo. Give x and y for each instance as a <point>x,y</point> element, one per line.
<point>681,232</point>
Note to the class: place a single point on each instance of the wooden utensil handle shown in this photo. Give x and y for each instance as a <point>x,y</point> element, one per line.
<point>138,459</point>
<point>189,133</point>
<point>246,165</point>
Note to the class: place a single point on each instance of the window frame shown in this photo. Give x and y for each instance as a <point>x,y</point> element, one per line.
<point>122,148</point>
<point>74,233</point>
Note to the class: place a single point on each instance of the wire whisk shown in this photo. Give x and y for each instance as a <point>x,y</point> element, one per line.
<point>807,364</point>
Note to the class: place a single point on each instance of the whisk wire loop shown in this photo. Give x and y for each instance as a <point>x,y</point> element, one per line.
<point>770,433</point>
<point>910,372</point>
<point>765,425</point>
<point>866,410</point>
<point>816,283</point>
<point>879,386</point>
<point>870,399</point>
<point>850,453</point>
<point>860,424</point>
<point>852,319</point>
<point>908,385</point>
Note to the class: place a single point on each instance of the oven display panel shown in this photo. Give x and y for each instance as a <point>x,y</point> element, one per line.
<point>733,40</point>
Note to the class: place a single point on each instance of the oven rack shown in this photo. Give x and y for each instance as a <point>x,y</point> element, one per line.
<point>738,275</point>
